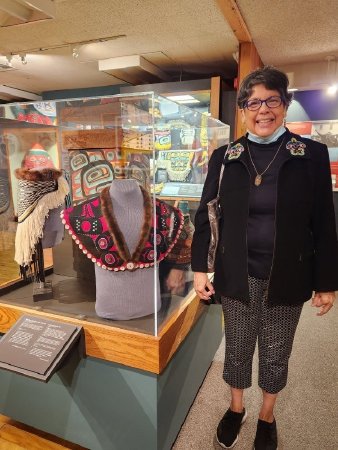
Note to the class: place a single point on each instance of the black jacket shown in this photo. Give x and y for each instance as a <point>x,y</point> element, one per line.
<point>305,255</point>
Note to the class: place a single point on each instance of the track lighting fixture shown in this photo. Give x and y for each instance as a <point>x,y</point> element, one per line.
<point>75,46</point>
<point>23,58</point>
<point>75,52</point>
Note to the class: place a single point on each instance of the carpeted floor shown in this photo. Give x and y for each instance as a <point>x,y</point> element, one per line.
<point>307,409</point>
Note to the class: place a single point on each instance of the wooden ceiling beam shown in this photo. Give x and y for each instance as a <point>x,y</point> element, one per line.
<point>249,60</point>
<point>234,18</point>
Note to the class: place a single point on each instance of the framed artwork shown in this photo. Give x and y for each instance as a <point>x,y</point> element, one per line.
<point>324,131</point>
<point>90,171</point>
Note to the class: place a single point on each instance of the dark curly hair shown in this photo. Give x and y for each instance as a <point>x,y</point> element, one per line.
<point>271,78</point>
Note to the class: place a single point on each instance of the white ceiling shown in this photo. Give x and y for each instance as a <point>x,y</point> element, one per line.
<point>292,31</point>
<point>184,38</point>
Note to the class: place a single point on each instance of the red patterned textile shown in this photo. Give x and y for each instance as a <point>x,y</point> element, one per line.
<point>89,229</point>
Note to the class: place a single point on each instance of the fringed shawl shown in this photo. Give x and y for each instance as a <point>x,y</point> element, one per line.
<point>39,192</point>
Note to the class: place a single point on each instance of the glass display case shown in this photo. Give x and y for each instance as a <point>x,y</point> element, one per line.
<point>97,201</point>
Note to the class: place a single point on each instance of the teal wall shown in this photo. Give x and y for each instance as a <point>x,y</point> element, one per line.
<point>107,406</point>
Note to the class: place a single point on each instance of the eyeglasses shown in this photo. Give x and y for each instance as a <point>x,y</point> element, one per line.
<point>256,103</point>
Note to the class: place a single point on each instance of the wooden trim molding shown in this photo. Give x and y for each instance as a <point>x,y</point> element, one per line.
<point>130,348</point>
<point>235,19</point>
<point>249,60</point>
<point>215,97</point>
<point>177,328</point>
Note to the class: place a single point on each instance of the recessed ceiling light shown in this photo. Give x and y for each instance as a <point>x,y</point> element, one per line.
<point>178,98</point>
<point>293,89</point>
<point>194,100</point>
<point>332,90</point>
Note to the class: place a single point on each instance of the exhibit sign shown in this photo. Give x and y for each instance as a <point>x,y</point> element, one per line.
<point>36,346</point>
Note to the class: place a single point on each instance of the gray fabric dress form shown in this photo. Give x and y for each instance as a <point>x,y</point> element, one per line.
<point>127,295</point>
<point>53,229</point>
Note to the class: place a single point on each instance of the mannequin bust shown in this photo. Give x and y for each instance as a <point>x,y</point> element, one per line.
<point>116,231</point>
<point>53,229</point>
<point>126,295</point>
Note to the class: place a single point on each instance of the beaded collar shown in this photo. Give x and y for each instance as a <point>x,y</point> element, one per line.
<point>94,229</point>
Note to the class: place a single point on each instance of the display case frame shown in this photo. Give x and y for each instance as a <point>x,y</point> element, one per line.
<point>84,127</point>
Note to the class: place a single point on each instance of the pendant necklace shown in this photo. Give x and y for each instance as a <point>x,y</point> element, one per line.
<point>259,176</point>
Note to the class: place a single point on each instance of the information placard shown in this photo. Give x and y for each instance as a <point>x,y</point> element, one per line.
<point>36,346</point>
<point>182,190</point>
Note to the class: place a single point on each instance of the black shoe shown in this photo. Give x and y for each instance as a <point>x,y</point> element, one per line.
<point>266,436</point>
<point>228,428</point>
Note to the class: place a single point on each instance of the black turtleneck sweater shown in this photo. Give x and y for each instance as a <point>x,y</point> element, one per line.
<point>262,203</point>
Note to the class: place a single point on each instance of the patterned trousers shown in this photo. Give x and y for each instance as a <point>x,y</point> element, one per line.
<point>274,327</point>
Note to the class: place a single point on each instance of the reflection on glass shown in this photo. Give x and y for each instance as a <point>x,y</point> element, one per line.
<point>135,166</point>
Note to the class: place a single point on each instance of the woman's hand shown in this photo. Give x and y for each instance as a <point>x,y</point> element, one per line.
<point>176,281</point>
<point>204,289</point>
<point>323,300</point>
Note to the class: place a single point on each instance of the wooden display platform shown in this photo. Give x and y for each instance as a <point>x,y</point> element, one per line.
<point>130,348</point>
<point>129,380</point>
<point>95,403</point>
<point>18,436</point>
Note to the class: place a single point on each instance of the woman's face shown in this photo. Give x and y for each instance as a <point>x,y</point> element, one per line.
<point>264,121</point>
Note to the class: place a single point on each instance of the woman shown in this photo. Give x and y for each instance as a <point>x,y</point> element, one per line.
<point>277,245</point>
